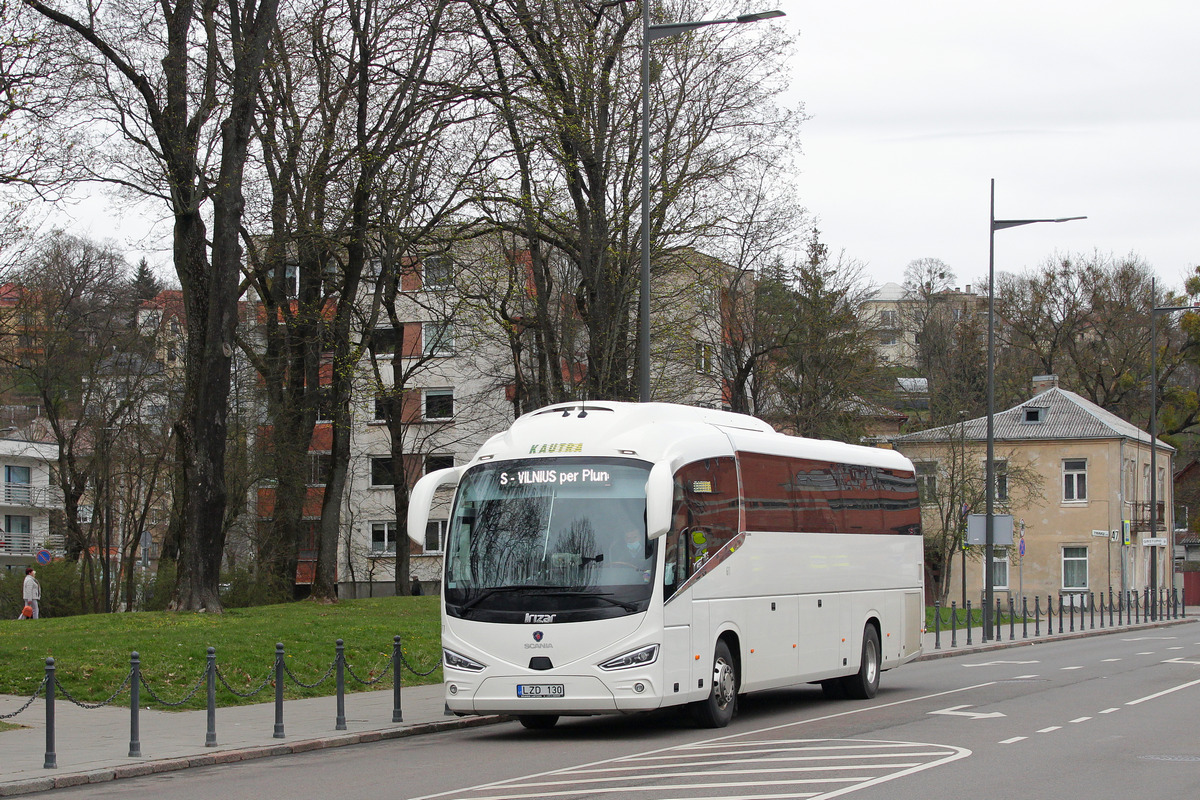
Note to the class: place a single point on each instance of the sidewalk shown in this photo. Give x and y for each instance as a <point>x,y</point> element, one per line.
<point>92,746</point>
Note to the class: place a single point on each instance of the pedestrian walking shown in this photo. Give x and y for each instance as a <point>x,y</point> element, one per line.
<point>31,591</point>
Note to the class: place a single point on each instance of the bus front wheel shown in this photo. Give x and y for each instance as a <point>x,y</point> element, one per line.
<point>865,683</point>
<point>538,722</point>
<point>717,710</point>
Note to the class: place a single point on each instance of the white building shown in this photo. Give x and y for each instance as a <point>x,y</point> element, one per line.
<point>27,501</point>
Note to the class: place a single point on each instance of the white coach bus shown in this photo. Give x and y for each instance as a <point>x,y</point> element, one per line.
<point>616,557</point>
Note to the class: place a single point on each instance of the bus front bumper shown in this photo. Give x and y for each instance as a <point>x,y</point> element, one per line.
<point>566,695</point>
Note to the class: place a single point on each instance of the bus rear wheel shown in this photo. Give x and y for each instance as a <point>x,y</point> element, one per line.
<point>538,722</point>
<point>717,710</point>
<point>865,683</point>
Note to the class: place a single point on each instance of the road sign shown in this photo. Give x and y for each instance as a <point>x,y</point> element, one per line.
<point>1154,541</point>
<point>1002,529</point>
<point>1022,546</point>
<point>43,556</point>
<point>1100,534</point>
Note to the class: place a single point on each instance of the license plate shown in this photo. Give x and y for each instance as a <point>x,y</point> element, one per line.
<point>540,690</point>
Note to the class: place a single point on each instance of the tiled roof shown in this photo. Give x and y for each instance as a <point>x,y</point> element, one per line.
<point>1065,415</point>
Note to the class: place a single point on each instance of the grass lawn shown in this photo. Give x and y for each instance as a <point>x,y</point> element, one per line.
<point>91,653</point>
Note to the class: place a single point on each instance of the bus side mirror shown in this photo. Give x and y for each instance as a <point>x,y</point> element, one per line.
<point>660,492</point>
<point>421,497</point>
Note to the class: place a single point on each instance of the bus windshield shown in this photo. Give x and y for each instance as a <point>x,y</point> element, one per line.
<point>563,536</point>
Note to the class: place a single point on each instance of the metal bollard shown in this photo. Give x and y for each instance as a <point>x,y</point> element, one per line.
<point>278,734</point>
<point>51,761</point>
<point>397,715</point>
<point>1037,616</point>
<point>1060,614</point>
<point>210,675</point>
<point>1012,619</point>
<point>999,629</point>
<point>340,660</point>
<point>135,679</point>
<point>970,622</point>
<point>1073,615</point>
<point>1024,617</point>
<point>937,625</point>
<point>954,623</point>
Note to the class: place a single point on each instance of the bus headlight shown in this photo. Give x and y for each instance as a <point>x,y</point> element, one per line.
<point>634,658</point>
<point>455,661</point>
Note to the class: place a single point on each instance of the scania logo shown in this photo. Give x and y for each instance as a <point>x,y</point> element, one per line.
<point>537,636</point>
<point>540,618</point>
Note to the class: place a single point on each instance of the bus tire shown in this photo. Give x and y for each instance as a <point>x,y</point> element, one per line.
<point>865,683</point>
<point>538,722</point>
<point>717,710</point>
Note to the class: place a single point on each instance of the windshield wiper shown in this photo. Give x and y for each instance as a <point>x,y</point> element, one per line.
<point>486,593</point>
<point>606,596</point>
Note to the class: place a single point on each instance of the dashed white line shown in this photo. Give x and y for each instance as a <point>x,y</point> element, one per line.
<point>1068,669</point>
<point>1078,720</point>
<point>1109,660</point>
<point>1013,740</point>
<point>1051,729</point>
<point>1109,710</point>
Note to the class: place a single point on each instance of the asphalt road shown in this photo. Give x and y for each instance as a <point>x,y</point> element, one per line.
<point>1112,716</point>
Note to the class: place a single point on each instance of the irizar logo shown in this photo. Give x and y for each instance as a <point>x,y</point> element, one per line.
<point>542,619</point>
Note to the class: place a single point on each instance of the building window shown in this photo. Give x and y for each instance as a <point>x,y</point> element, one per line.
<point>438,461</point>
<point>1000,469</point>
<point>888,319</point>
<point>439,404</point>
<point>999,567</point>
<point>383,341</point>
<point>1074,480</point>
<point>704,357</point>
<point>438,338</point>
<point>927,482</point>
<point>383,537</point>
<point>18,533</point>
<point>318,468</point>
<point>379,414</point>
<point>436,271</point>
<point>435,535</point>
<point>1033,414</point>
<point>18,486</point>
<point>382,473</point>
<point>1075,568</point>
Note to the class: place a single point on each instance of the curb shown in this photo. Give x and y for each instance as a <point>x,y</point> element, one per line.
<point>137,770</point>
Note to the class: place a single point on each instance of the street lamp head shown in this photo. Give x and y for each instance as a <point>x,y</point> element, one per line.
<point>760,15</point>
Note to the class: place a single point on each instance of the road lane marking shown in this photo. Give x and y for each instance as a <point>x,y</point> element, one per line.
<point>1051,729</point>
<point>955,711</point>
<point>1014,740</point>
<point>1181,661</point>
<point>1067,669</point>
<point>998,663</point>
<point>1109,710</point>
<point>1109,660</point>
<point>1023,678</point>
<point>1078,720</point>
<point>1163,693</point>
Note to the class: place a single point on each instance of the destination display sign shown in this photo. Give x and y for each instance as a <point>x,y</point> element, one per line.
<point>553,476</point>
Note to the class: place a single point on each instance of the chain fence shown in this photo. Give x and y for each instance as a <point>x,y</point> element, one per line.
<point>278,675</point>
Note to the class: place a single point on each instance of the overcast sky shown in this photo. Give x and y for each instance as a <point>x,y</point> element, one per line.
<point>1074,108</point>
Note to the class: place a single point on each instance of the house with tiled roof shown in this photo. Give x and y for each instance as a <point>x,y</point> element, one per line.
<point>1087,524</point>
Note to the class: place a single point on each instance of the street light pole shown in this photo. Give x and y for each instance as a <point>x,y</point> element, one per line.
<point>1154,312</point>
<point>990,466</point>
<point>649,34</point>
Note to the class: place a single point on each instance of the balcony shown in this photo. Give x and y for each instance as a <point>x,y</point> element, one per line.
<point>25,495</point>
<point>1142,516</point>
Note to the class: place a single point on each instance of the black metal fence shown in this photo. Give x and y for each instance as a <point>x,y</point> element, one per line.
<point>1123,608</point>
<point>277,675</point>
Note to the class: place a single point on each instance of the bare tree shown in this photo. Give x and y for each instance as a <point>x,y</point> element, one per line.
<point>179,81</point>
<point>566,176</point>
